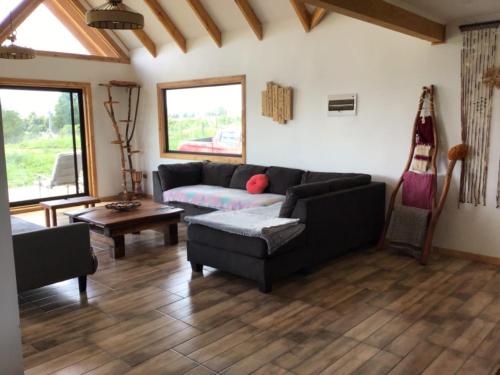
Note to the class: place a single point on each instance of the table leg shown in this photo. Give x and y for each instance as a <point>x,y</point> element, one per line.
<point>86,206</point>
<point>47,217</point>
<point>118,250</point>
<point>54,217</point>
<point>92,205</point>
<point>170,235</point>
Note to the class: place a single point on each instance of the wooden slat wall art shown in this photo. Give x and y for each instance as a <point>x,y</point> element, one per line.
<point>478,56</point>
<point>277,103</point>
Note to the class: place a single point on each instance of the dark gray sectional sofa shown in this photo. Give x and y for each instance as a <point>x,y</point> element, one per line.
<point>341,212</point>
<point>45,256</point>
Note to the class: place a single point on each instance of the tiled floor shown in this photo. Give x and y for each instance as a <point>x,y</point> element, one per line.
<point>366,313</point>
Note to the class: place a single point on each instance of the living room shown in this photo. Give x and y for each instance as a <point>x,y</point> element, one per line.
<point>319,105</point>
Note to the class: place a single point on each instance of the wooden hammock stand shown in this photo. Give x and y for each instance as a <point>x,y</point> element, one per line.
<point>456,153</point>
<point>125,141</point>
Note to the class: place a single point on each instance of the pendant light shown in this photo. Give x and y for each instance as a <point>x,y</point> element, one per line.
<point>115,15</point>
<point>13,52</point>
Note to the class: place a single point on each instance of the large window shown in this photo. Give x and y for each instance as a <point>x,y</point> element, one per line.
<point>203,119</point>
<point>45,143</point>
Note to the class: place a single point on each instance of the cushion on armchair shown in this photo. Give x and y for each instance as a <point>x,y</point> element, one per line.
<point>280,179</point>
<point>217,174</point>
<point>294,193</point>
<point>243,173</point>
<point>182,174</point>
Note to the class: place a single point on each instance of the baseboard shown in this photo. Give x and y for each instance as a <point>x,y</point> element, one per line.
<point>469,256</point>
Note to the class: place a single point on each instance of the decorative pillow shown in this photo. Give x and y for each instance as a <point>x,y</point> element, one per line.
<point>180,174</point>
<point>243,173</point>
<point>294,193</point>
<point>217,174</point>
<point>257,184</point>
<point>280,179</point>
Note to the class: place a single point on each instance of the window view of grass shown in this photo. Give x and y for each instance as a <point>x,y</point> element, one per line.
<point>33,141</point>
<point>205,119</point>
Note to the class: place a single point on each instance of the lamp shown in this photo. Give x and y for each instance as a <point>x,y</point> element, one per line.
<point>13,52</point>
<point>114,15</point>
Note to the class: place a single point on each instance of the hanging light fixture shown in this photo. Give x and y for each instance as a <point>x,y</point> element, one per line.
<point>13,52</point>
<point>115,15</point>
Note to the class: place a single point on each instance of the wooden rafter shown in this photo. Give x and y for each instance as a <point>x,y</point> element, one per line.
<point>146,41</point>
<point>317,16</point>
<point>386,15</point>
<point>251,17</point>
<point>207,21</point>
<point>303,14</point>
<point>72,14</point>
<point>167,23</point>
<point>17,17</point>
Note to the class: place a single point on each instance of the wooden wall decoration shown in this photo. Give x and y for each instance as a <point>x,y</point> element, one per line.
<point>478,57</point>
<point>277,103</point>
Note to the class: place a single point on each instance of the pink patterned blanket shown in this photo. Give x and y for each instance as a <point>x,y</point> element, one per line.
<point>220,198</point>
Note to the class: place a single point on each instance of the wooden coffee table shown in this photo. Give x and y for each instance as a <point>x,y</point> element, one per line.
<point>114,225</point>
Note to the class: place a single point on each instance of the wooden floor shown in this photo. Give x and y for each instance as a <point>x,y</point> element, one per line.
<point>367,313</point>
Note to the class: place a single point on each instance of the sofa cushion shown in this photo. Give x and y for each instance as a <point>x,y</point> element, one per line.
<point>280,179</point>
<point>243,173</point>
<point>294,193</point>
<point>349,182</point>
<point>220,198</point>
<point>309,176</point>
<point>22,226</point>
<point>217,174</point>
<point>175,175</point>
<point>251,246</point>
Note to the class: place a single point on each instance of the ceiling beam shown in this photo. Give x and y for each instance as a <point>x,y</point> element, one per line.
<point>390,16</point>
<point>251,17</point>
<point>17,17</point>
<point>146,41</point>
<point>317,16</point>
<point>303,14</point>
<point>207,21</point>
<point>167,23</point>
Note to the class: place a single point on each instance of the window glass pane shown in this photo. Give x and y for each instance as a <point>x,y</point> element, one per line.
<point>43,31</point>
<point>205,120</point>
<point>7,6</point>
<point>39,144</point>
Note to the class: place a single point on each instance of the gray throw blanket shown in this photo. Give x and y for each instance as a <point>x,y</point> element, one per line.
<point>261,222</point>
<point>408,228</point>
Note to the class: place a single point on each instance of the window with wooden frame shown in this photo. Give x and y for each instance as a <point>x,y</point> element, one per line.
<point>49,143</point>
<point>203,119</point>
<point>57,28</point>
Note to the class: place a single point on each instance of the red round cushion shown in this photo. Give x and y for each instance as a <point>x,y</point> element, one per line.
<point>257,183</point>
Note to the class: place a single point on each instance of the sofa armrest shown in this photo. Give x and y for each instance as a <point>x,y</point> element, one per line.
<point>52,255</point>
<point>339,221</point>
<point>157,190</point>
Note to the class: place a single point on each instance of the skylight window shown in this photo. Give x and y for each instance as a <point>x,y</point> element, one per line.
<point>44,32</point>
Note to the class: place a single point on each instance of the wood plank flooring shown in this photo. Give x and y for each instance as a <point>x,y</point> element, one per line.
<point>366,313</point>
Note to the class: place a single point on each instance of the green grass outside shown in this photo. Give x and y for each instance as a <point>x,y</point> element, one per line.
<point>28,159</point>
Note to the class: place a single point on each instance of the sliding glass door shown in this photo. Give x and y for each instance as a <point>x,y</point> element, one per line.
<point>44,136</point>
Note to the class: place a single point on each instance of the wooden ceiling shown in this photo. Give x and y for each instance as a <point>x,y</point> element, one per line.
<point>105,45</point>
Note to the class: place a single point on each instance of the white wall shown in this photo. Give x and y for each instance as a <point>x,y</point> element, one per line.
<point>386,69</point>
<point>94,72</point>
<point>10,333</point>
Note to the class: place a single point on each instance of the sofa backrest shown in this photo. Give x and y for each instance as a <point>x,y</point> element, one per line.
<point>280,179</point>
<point>243,173</point>
<point>217,174</point>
